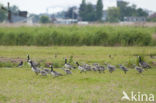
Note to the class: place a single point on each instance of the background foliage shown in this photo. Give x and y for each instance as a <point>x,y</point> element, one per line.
<point>77,36</point>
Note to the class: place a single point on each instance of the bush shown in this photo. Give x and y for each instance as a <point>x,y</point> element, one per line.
<point>77,36</point>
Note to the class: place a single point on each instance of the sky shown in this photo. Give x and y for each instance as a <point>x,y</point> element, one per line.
<point>53,6</point>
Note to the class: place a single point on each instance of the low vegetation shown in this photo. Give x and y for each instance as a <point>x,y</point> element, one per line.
<point>21,85</point>
<point>78,36</point>
<point>84,54</point>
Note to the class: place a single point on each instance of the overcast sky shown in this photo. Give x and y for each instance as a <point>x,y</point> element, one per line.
<point>41,6</point>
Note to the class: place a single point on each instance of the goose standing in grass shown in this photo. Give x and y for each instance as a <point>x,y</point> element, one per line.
<point>67,71</point>
<point>20,64</point>
<point>66,65</point>
<point>94,68</point>
<point>81,68</point>
<point>87,67</point>
<point>102,69</point>
<point>139,69</point>
<point>54,73</point>
<point>46,70</point>
<point>143,64</point>
<point>34,68</point>
<point>111,68</point>
<point>99,68</point>
<point>34,63</point>
<point>43,73</point>
<point>123,68</point>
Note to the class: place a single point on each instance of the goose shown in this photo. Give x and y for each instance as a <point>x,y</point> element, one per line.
<point>143,64</point>
<point>54,73</point>
<point>34,63</point>
<point>139,69</point>
<point>102,69</point>
<point>94,68</point>
<point>123,68</point>
<point>43,73</point>
<point>67,71</point>
<point>98,68</point>
<point>111,68</point>
<point>20,64</point>
<point>95,64</point>
<point>87,67</point>
<point>34,68</point>
<point>46,70</point>
<point>81,68</point>
<point>66,65</point>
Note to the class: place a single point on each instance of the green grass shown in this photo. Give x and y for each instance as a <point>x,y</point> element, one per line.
<point>21,85</point>
<point>85,54</point>
<point>78,35</point>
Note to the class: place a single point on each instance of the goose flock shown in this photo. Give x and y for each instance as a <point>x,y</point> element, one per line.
<point>67,68</point>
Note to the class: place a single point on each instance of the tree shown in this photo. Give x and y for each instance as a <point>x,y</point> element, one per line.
<point>90,14</point>
<point>44,19</point>
<point>82,9</point>
<point>87,12</point>
<point>99,10</point>
<point>3,14</point>
<point>71,13</point>
<point>113,14</point>
<point>126,10</point>
<point>141,12</point>
<point>123,9</point>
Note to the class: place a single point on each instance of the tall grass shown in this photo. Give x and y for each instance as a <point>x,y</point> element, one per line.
<point>77,36</point>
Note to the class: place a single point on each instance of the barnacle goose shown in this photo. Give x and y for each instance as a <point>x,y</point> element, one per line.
<point>123,68</point>
<point>34,68</point>
<point>81,68</point>
<point>20,64</point>
<point>54,73</point>
<point>143,64</point>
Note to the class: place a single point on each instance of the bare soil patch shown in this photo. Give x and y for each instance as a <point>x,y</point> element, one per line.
<point>13,60</point>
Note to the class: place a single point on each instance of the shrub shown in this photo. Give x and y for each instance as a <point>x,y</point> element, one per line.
<point>77,36</point>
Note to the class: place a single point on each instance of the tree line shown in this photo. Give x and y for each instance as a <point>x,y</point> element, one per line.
<point>123,9</point>
<point>89,12</point>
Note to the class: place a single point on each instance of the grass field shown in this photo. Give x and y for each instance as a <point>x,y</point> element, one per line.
<point>76,35</point>
<point>21,85</point>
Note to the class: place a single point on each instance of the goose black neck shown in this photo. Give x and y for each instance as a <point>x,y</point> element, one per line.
<point>77,64</point>
<point>140,59</point>
<point>51,68</point>
<point>32,64</point>
<point>28,58</point>
<point>65,61</point>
